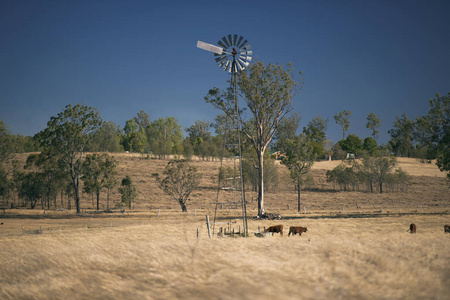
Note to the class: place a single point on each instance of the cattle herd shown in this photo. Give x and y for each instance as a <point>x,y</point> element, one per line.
<point>294,230</point>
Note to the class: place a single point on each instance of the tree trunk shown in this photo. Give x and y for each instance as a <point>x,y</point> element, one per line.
<point>183,206</point>
<point>299,191</point>
<point>77,193</point>
<point>107,200</point>
<point>98,200</point>
<point>261,184</point>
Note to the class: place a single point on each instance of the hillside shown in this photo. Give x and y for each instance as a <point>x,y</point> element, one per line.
<point>428,190</point>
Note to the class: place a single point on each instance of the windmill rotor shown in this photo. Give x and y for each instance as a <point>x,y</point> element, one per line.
<point>233,53</point>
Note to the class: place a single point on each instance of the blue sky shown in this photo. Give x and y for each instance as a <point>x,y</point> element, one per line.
<point>385,57</point>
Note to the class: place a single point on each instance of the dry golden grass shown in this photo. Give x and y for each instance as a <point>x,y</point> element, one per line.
<point>358,253</point>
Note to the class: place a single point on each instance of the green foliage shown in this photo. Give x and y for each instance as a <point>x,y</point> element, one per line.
<point>98,173</point>
<point>370,145</point>
<point>128,191</point>
<point>439,118</point>
<point>48,165</point>
<point>6,147</point>
<point>372,171</point>
<point>135,138</point>
<point>286,130</point>
<point>352,144</point>
<point>300,157</point>
<point>342,119</point>
<point>343,175</point>
<point>188,150</point>
<point>315,132</point>
<point>165,137</point>
<point>68,135</point>
<point>251,173</point>
<point>29,187</point>
<point>200,136</point>
<point>180,180</point>
<point>5,183</point>
<point>267,91</point>
<point>401,141</point>
<point>373,123</point>
<point>106,138</point>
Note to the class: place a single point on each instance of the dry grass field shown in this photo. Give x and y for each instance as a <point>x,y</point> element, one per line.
<point>152,251</point>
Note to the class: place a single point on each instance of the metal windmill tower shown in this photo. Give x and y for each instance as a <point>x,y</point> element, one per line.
<point>233,54</point>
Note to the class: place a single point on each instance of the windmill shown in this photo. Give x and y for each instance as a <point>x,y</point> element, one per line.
<point>233,54</point>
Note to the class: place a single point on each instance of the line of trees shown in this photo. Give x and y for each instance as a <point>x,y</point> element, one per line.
<point>267,91</point>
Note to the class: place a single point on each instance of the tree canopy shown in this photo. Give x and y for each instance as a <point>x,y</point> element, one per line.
<point>267,91</point>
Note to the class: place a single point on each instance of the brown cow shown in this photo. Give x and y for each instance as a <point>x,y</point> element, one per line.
<point>412,228</point>
<point>275,229</point>
<point>447,228</point>
<point>295,230</point>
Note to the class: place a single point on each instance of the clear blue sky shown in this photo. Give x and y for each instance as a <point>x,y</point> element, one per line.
<point>385,57</point>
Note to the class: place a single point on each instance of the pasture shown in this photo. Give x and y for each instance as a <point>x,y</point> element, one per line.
<point>152,251</point>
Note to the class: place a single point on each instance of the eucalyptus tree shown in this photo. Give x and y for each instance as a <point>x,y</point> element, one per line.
<point>106,138</point>
<point>98,170</point>
<point>68,134</point>
<point>267,91</point>
<point>128,191</point>
<point>300,157</point>
<point>439,116</point>
<point>165,137</point>
<point>180,180</point>
<point>287,130</point>
<point>315,131</point>
<point>401,140</point>
<point>342,119</point>
<point>373,123</point>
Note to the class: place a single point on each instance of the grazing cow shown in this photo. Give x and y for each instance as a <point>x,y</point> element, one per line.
<point>275,229</point>
<point>295,230</point>
<point>412,228</point>
<point>447,228</point>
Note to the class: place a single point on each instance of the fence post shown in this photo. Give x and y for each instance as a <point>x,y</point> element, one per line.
<point>207,224</point>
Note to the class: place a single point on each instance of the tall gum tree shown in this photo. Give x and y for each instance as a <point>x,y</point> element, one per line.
<point>68,134</point>
<point>267,91</point>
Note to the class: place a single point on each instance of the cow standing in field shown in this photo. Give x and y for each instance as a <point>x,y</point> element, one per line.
<point>275,229</point>
<point>295,230</point>
<point>447,228</point>
<point>412,228</point>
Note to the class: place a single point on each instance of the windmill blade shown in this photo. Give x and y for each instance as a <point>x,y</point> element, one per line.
<point>240,64</point>
<point>225,66</point>
<point>230,40</point>
<point>224,39</point>
<point>239,41</point>
<point>235,40</point>
<point>243,44</point>
<point>222,45</point>
<point>209,47</point>
<point>243,62</point>
<point>220,59</point>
